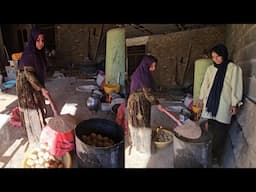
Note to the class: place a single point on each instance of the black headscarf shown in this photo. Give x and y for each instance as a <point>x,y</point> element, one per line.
<point>213,101</point>
<point>34,57</point>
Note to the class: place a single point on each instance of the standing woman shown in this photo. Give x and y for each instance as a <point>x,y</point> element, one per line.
<point>31,89</point>
<point>220,94</point>
<point>139,104</point>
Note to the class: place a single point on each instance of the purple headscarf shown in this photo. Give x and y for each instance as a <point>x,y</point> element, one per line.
<point>34,57</point>
<point>141,77</point>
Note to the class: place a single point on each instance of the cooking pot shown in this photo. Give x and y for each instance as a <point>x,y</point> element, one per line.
<point>93,102</point>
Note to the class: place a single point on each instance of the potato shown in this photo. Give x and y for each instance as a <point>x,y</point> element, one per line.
<point>89,142</point>
<point>41,161</point>
<point>95,140</point>
<point>99,137</point>
<point>108,144</point>
<point>105,139</point>
<point>51,157</point>
<point>52,166</point>
<point>46,155</point>
<point>99,144</point>
<point>104,144</point>
<point>30,162</point>
<point>46,165</point>
<point>111,141</point>
<point>44,146</point>
<point>34,152</point>
<point>33,156</point>
<point>39,166</point>
<point>93,135</point>
<point>37,149</point>
<point>40,154</point>
<point>84,138</point>
<point>36,161</point>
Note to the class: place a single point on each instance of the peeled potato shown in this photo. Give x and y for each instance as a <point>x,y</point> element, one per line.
<point>97,140</point>
<point>105,138</point>
<point>40,157</point>
<point>99,137</point>
<point>33,156</point>
<point>93,135</point>
<point>30,162</point>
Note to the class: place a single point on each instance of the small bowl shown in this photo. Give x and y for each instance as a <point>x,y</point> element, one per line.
<point>109,88</point>
<point>163,144</point>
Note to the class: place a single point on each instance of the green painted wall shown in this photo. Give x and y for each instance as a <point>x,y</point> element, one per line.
<point>115,56</point>
<point>200,68</point>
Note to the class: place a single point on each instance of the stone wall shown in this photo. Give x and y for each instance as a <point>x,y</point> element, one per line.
<point>76,42</point>
<point>181,49</point>
<point>241,42</point>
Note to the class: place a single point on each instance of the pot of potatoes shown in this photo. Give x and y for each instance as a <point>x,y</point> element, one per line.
<point>40,157</point>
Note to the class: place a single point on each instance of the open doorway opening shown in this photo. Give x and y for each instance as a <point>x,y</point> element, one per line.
<point>135,54</point>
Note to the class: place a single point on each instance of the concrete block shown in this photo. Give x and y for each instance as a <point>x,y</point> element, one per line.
<point>252,87</point>
<point>246,118</point>
<point>252,157</point>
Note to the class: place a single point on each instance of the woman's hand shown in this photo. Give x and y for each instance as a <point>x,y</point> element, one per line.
<point>55,109</point>
<point>200,103</point>
<point>233,110</point>
<point>45,93</point>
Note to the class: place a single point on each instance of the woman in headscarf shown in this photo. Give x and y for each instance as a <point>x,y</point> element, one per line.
<point>31,89</point>
<point>220,95</point>
<point>139,104</point>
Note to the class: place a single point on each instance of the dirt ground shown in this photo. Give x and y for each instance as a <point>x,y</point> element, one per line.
<point>14,142</point>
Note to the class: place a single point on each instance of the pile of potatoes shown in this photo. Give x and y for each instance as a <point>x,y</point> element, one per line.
<point>162,136</point>
<point>97,140</point>
<point>41,158</point>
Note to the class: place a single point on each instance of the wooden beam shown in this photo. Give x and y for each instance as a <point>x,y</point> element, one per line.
<point>141,28</point>
<point>180,27</point>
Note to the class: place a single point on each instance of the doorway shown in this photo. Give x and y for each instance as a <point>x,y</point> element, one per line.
<point>135,54</point>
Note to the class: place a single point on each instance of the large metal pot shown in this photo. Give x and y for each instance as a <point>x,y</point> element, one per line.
<point>100,157</point>
<point>193,153</point>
